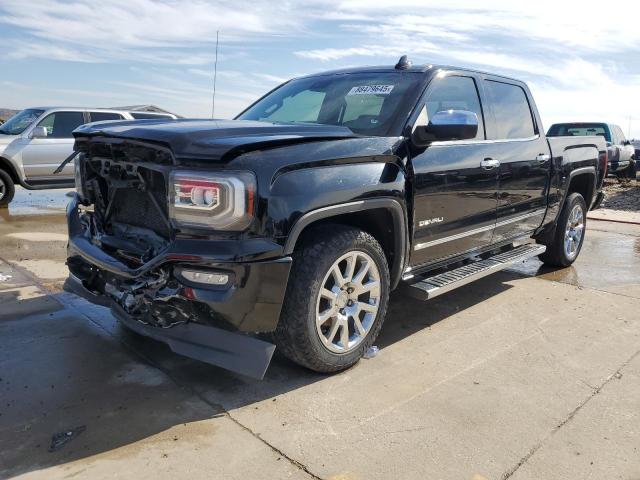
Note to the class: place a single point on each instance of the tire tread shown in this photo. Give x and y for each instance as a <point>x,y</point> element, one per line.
<point>291,335</point>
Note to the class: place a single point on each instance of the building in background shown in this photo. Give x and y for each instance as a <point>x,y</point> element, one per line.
<point>145,108</point>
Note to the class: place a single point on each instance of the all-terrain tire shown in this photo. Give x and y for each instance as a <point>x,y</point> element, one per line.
<point>7,189</point>
<point>556,254</point>
<point>296,336</point>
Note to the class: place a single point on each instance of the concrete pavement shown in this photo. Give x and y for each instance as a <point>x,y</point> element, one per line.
<point>530,373</point>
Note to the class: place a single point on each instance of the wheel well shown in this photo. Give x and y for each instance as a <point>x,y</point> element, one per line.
<point>378,222</point>
<point>582,184</point>
<point>8,167</point>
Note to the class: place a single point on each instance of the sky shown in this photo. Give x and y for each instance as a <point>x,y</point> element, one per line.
<point>581,59</point>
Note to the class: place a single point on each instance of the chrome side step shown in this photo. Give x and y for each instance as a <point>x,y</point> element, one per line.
<point>430,287</point>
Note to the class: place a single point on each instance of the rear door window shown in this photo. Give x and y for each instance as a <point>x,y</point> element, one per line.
<point>61,124</point>
<point>511,111</point>
<point>103,116</point>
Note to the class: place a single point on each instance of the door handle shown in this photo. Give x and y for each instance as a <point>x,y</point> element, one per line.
<point>489,163</point>
<point>543,157</point>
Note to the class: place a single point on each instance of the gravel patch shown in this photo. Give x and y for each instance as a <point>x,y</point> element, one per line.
<point>621,195</point>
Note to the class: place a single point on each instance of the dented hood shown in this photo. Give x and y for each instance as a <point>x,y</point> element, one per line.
<point>212,139</point>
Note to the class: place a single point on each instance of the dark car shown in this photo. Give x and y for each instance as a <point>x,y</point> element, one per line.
<point>300,216</point>
<point>622,154</point>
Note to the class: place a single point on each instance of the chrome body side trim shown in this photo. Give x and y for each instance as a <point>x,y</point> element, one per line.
<point>420,246</point>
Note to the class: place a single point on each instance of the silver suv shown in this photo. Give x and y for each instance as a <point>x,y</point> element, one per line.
<point>35,141</point>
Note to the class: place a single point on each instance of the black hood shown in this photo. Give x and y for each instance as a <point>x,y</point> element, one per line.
<point>212,139</point>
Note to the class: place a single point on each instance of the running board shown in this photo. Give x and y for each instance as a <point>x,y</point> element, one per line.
<point>430,287</point>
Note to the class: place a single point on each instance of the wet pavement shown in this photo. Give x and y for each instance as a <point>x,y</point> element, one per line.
<point>33,232</point>
<point>531,373</point>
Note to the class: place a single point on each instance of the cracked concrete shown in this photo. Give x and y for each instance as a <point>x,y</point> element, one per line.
<point>528,374</point>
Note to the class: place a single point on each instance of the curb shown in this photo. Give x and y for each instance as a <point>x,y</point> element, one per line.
<point>628,222</point>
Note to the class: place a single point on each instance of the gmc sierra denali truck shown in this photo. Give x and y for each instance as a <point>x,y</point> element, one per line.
<point>297,218</point>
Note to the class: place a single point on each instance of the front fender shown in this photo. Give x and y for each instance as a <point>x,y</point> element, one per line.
<point>296,193</point>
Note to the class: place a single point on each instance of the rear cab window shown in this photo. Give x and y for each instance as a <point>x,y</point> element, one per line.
<point>511,110</point>
<point>579,130</point>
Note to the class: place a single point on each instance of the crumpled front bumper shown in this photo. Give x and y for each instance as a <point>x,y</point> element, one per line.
<point>208,323</point>
<point>233,351</point>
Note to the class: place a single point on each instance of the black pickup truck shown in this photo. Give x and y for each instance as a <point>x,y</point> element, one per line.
<point>290,225</point>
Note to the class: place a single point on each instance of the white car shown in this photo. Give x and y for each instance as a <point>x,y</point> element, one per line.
<point>36,140</point>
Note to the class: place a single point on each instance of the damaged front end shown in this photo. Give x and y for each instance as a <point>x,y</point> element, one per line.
<point>201,295</point>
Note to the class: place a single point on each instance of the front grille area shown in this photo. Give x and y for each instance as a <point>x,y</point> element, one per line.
<point>133,195</point>
<point>129,199</point>
<point>133,207</point>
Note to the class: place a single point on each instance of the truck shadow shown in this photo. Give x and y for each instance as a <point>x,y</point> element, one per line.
<point>77,368</point>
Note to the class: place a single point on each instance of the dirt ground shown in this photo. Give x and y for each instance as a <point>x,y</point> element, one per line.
<point>528,374</point>
<point>622,195</point>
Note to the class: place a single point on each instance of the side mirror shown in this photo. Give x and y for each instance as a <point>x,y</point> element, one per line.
<point>39,132</point>
<point>446,125</point>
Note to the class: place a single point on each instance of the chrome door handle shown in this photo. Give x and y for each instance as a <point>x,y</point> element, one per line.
<point>543,157</point>
<point>489,163</point>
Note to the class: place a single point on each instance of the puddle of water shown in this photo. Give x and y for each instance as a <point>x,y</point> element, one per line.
<point>36,202</point>
<point>607,260</point>
<point>33,229</point>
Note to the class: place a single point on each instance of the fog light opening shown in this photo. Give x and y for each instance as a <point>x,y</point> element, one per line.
<point>206,278</point>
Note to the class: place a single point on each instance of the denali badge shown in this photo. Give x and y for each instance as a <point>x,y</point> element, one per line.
<point>424,223</point>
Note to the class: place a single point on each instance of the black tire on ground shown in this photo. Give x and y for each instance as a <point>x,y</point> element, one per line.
<point>297,335</point>
<point>556,254</point>
<point>7,189</point>
<point>628,174</point>
<point>632,170</point>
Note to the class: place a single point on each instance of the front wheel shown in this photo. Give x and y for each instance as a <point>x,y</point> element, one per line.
<point>569,235</point>
<point>336,299</point>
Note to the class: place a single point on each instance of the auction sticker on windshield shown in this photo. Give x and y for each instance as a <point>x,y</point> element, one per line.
<point>371,90</point>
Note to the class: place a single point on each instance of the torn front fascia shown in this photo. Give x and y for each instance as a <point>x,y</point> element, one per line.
<point>233,351</point>
<point>153,299</point>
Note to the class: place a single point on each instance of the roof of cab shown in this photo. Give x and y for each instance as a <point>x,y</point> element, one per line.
<point>410,68</point>
<point>79,109</point>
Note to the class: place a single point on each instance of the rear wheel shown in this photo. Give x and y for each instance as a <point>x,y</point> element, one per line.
<point>7,189</point>
<point>569,235</point>
<point>336,299</point>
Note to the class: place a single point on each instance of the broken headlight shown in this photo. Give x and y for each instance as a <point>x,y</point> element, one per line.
<point>223,200</point>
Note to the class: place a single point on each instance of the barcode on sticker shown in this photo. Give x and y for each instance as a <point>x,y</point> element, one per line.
<point>371,90</point>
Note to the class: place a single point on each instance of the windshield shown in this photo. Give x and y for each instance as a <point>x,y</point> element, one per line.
<point>579,130</point>
<point>367,103</point>
<point>20,121</point>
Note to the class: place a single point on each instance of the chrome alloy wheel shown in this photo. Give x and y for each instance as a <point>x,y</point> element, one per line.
<point>348,302</point>
<point>574,231</point>
<point>3,189</point>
